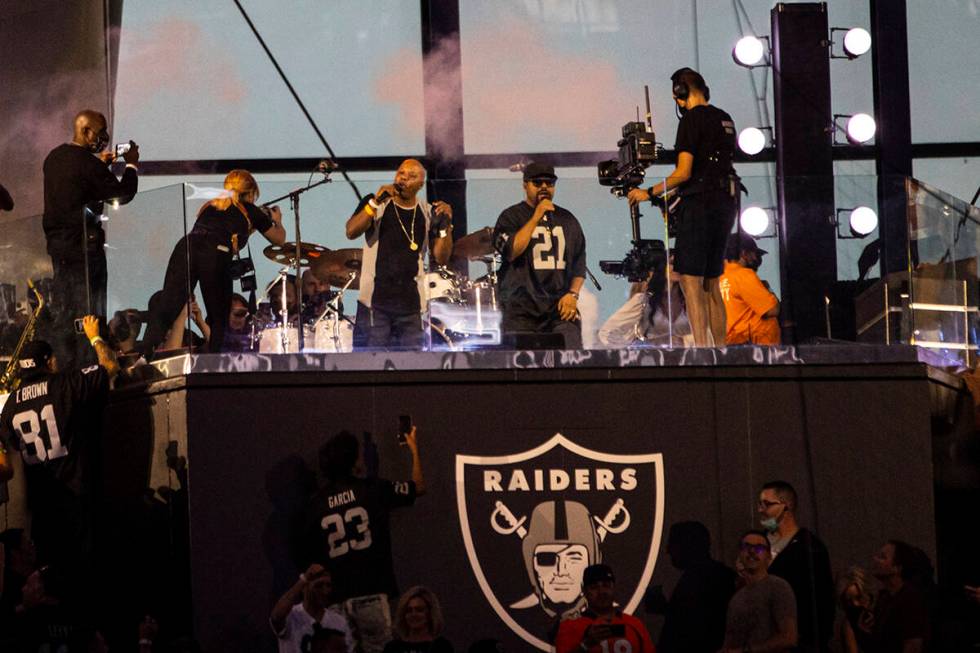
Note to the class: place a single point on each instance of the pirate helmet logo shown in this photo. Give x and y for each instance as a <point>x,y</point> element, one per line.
<point>555,514</point>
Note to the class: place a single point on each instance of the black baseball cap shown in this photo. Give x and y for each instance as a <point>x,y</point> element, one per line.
<point>34,357</point>
<point>535,170</point>
<point>597,573</point>
<point>742,242</point>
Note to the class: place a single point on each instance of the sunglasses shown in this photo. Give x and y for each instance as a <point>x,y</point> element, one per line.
<point>544,182</point>
<point>757,549</point>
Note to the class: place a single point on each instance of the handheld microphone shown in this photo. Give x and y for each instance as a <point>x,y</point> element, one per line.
<point>382,197</point>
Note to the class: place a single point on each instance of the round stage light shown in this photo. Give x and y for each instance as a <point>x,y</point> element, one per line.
<point>751,140</point>
<point>857,41</point>
<point>863,220</point>
<point>754,221</point>
<point>860,128</point>
<point>748,51</point>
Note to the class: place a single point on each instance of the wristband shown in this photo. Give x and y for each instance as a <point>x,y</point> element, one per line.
<point>302,577</point>
<point>370,210</point>
<point>443,233</point>
<point>572,293</point>
<point>94,341</point>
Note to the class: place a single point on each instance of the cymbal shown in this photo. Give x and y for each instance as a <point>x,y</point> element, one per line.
<point>285,254</point>
<point>474,245</point>
<point>335,266</point>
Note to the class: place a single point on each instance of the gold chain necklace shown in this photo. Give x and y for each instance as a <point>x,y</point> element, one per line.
<point>412,245</point>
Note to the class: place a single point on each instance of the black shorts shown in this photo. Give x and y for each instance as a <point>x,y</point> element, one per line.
<point>704,222</point>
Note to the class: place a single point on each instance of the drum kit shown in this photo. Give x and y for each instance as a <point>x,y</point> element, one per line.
<point>463,313</point>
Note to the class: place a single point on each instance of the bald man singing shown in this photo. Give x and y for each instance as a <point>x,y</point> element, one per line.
<point>77,180</point>
<point>397,229</point>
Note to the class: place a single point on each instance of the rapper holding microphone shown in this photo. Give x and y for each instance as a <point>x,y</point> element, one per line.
<point>543,268</point>
<point>398,228</point>
<point>708,187</point>
<point>205,255</point>
<point>77,180</point>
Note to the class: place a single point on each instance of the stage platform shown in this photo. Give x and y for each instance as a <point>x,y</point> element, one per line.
<point>219,454</point>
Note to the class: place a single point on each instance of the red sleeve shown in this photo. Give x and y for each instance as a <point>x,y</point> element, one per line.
<point>570,635</point>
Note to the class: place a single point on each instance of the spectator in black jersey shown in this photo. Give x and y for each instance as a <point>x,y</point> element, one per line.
<point>705,182</point>
<point>53,420</point>
<point>543,250</point>
<point>418,622</point>
<point>77,180</point>
<point>347,530</point>
<point>222,228</point>
<point>398,229</point>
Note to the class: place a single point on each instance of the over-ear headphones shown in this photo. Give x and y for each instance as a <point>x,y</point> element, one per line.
<point>682,90</point>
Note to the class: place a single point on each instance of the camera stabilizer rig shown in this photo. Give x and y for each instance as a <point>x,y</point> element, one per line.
<point>638,150</point>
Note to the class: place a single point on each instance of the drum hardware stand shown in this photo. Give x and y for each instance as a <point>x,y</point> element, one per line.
<point>284,312</point>
<point>333,306</point>
<point>297,263</point>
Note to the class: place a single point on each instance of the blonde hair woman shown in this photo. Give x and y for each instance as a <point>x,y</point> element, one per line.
<point>205,254</point>
<point>418,622</point>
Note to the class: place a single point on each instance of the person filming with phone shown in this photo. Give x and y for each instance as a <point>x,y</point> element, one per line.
<point>347,531</point>
<point>77,180</point>
<point>602,627</point>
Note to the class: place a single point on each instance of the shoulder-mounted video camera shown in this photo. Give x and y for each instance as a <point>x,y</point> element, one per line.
<point>637,152</point>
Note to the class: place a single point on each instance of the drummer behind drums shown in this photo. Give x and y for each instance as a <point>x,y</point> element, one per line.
<point>543,251</point>
<point>397,229</point>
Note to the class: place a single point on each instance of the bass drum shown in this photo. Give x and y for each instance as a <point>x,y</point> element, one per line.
<point>333,337</point>
<point>270,340</point>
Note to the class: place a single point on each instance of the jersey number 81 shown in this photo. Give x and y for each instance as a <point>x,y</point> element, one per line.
<point>27,423</point>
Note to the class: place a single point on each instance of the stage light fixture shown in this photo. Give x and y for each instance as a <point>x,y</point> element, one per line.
<point>754,220</point>
<point>861,221</point>
<point>859,128</point>
<point>749,51</point>
<point>857,41</point>
<point>752,140</point>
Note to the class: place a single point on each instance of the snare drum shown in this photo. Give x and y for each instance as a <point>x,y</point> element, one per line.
<point>441,286</point>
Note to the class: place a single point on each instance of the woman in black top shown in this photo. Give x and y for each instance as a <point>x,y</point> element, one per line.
<point>204,255</point>
<point>418,622</point>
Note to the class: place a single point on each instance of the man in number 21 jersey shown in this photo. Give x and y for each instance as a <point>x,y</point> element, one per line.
<point>543,268</point>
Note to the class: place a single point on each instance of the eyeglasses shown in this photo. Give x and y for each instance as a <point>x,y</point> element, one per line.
<point>757,549</point>
<point>763,504</point>
<point>240,313</point>
<point>543,182</point>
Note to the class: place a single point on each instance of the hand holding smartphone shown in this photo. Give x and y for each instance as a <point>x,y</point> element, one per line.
<point>404,428</point>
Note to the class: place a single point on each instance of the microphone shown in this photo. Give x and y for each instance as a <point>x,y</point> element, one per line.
<point>327,166</point>
<point>383,196</point>
<point>547,219</point>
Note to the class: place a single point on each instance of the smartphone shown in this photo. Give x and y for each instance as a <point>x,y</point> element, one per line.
<point>122,148</point>
<point>404,427</point>
<point>617,630</point>
<point>79,327</point>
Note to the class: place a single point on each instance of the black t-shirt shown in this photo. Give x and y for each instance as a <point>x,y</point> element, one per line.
<point>50,419</point>
<point>533,283</point>
<point>438,645</point>
<point>804,563</point>
<point>223,224</point>
<point>708,134</point>
<point>74,178</point>
<point>395,285</point>
<point>347,531</point>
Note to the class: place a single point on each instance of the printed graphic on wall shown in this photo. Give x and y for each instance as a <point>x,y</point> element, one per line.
<point>533,521</point>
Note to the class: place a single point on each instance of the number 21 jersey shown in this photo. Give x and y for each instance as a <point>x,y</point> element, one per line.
<point>533,283</point>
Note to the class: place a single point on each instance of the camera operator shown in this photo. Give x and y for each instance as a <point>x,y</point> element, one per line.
<point>77,179</point>
<point>205,255</point>
<point>706,184</point>
<point>53,420</point>
<point>543,269</point>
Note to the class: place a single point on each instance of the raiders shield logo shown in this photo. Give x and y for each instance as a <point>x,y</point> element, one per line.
<point>533,521</point>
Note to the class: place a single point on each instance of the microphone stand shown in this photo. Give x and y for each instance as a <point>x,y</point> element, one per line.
<point>293,196</point>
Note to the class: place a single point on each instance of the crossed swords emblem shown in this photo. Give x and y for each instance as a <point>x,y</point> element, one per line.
<point>503,521</point>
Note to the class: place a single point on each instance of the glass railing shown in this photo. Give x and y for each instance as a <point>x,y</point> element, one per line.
<point>932,304</point>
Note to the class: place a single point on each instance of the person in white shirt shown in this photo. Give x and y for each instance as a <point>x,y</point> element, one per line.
<point>303,605</point>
